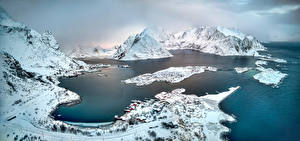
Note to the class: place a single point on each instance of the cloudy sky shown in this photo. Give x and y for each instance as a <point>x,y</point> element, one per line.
<point>106,23</point>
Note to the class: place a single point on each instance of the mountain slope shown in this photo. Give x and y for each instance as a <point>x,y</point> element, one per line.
<point>37,53</point>
<point>153,42</point>
<point>145,45</point>
<point>215,40</point>
<point>30,64</point>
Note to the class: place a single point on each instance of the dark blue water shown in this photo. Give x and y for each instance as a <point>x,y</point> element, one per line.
<point>265,113</point>
<point>262,112</point>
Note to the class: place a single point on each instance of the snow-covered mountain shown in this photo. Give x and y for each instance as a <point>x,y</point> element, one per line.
<point>145,45</point>
<point>29,66</point>
<point>36,53</point>
<point>152,43</point>
<point>215,40</point>
<point>96,52</point>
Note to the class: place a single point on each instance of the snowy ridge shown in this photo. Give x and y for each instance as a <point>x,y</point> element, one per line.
<point>172,75</point>
<point>36,53</point>
<point>234,32</point>
<point>215,40</point>
<point>145,45</point>
<point>152,42</point>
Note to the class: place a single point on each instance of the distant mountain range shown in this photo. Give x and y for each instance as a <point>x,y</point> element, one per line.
<point>155,42</point>
<point>94,52</point>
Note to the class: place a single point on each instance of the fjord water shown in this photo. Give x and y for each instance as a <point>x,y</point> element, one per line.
<point>266,113</point>
<point>262,112</point>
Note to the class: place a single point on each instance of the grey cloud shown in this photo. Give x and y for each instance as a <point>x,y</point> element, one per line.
<point>106,23</point>
<point>249,5</point>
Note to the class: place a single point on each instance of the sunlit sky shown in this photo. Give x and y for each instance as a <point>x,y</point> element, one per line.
<point>105,23</point>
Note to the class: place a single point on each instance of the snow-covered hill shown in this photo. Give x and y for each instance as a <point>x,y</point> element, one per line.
<point>153,42</point>
<point>145,45</point>
<point>96,52</point>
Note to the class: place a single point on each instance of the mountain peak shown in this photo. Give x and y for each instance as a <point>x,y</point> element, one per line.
<point>36,53</point>
<point>208,39</point>
<point>233,32</point>
<point>146,45</point>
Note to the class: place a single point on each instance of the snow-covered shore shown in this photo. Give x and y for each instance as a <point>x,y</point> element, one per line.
<point>173,116</point>
<point>241,70</point>
<point>172,75</point>
<point>178,116</point>
<point>259,63</point>
<point>270,58</point>
<point>269,76</point>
